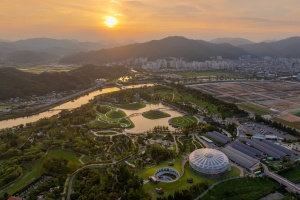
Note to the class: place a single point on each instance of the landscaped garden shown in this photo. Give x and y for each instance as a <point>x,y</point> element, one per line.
<point>155,114</point>
<point>183,121</point>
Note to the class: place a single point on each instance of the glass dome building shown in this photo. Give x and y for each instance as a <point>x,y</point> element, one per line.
<point>209,163</point>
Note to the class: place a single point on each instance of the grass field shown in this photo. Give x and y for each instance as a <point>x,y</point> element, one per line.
<point>214,73</point>
<point>254,109</point>
<point>155,114</point>
<point>169,188</point>
<point>246,189</point>
<point>296,113</point>
<point>293,174</point>
<point>295,125</point>
<point>45,68</point>
<point>131,106</point>
<point>183,121</point>
<point>35,169</point>
<point>116,113</point>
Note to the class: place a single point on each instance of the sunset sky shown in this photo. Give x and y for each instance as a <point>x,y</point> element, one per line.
<point>149,19</point>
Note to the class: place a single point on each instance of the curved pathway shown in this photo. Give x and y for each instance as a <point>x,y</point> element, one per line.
<point>213,185</point>
<point>90,166</point>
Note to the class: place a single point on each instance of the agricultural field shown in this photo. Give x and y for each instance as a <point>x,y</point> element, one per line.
<point>214,73</point>
<point>48,68</point>
<point>245,188</point>
<point>155,114</point>
<point>296,113</point>
<point>255,109</point>
<point>183,121</point>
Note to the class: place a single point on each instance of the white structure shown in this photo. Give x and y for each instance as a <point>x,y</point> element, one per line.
<point>209,162</point>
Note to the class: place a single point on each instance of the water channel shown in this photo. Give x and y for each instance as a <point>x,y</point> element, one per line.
<point>141,124</point>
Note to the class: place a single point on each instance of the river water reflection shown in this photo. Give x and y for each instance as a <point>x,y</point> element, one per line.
<point>143,124</point>
<point>68,105</point>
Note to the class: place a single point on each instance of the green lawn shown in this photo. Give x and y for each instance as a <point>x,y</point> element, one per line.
<point>155,114</point>
<point>116,113</point>
<point>131,106</point>
<point>296,113</point>
<point>169,188</point>
<point>183,121</point>
<point>246,189</point>
<point>293,174</point>
<point>36,169</point>
<point>214,73</point>
<point>254,109</point>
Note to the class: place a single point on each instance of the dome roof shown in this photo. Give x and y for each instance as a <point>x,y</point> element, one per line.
<point>208,161</point>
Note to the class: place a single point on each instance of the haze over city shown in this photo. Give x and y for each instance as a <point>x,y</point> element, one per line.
<point>144,20</point>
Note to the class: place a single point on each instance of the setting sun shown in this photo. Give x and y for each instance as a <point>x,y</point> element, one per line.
<point>110,21</point>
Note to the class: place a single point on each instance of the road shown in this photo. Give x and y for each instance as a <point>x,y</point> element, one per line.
<point>281,180</point>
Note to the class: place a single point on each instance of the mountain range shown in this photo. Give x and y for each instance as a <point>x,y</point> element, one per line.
<point>233,41</point>
<point>168,47</point>
<point>41,50</point>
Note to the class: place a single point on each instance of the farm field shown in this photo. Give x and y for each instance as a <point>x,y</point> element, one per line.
<point>255,109</point>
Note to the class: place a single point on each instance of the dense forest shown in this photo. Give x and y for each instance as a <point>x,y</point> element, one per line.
<point>15,83</point>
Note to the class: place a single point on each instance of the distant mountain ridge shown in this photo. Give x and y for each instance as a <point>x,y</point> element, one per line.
<point>175,46</point>
<point>45,49</point>
<point>233,41</point>
<point>289,47</point>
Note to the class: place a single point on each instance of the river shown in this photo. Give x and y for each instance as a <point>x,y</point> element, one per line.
<point>68,105</point>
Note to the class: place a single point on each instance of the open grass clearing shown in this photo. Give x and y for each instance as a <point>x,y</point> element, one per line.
<point>183,121</point>
<point>254,109</point>
<point>116,113</point>
<point>155,114</point>
<point>131,106</point>
<point>35,169</point>
<point>245,188</point>
<point>296,113</point>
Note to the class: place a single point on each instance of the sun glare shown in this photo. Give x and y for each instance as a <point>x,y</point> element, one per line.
<point>110,21</point>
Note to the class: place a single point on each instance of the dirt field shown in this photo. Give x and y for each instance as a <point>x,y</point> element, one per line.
<point>280,97</point>
<point>290,118</point>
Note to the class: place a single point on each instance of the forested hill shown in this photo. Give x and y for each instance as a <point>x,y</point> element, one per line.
<point>15,83</point>
<point>168,47</point>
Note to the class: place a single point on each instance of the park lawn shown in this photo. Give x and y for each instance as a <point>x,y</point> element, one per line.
<point>244,188</point>
<point>97,124</point>
<point>170,188</point>
<point>37,169</point>
<point>116,113</point>
<point>184,121</point>
<point>254,109</point>
<point>211,108</point>
<point>155,114</point>
<point>106,133</point>
<point>126,122</point>
<point>131,106</point>
<point>293,174</point>
<point>295,125</point>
